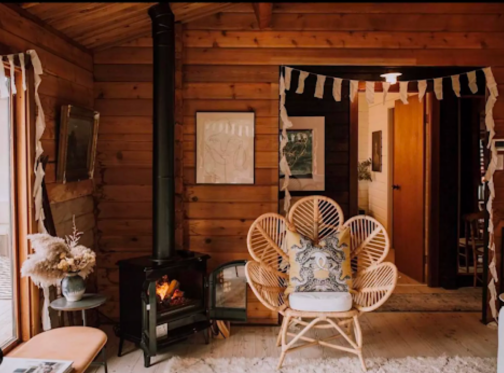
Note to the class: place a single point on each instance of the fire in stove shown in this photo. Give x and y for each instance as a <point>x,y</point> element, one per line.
<point>168,292</point>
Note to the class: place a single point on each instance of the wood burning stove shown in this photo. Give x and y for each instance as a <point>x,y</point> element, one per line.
<point>161,304</point>
<point>166,297</point>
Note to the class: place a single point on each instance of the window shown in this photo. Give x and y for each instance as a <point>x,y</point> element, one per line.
<point>19,299</point>
<point>8,322</point>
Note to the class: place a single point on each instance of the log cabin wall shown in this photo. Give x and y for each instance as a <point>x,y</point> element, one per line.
<point>67,79</point>
<point>229,64</point>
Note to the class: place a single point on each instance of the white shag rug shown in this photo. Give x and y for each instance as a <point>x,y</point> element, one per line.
<point>333,365</point>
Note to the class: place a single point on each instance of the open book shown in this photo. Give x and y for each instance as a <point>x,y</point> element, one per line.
<point>22,365</point>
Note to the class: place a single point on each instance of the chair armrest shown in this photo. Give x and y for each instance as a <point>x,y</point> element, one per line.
<point>268,285</point>
<point>373,286</point>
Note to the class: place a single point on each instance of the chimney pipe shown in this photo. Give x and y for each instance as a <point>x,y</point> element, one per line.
<point>163,197</point>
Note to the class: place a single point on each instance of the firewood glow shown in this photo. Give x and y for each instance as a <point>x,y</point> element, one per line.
<point>168,291</point>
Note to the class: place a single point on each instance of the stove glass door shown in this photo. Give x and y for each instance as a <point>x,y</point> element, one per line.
<point>228,292</point>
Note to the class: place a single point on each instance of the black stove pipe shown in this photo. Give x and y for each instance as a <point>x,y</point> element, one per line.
<point>163,170</point>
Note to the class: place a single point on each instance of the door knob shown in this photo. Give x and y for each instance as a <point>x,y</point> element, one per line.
<point>397,187</point>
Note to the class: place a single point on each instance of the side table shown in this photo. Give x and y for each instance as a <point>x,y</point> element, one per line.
<point>87,302</point>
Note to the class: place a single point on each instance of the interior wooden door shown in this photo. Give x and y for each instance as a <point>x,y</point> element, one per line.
<point>408,187</point>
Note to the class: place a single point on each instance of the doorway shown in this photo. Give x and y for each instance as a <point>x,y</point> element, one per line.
<point>399,194</point>
<point>392,137</point>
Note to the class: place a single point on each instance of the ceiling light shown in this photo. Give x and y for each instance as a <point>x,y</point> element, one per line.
<point>391,77</point>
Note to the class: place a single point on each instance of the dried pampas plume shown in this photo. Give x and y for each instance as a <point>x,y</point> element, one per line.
<point>40,266</point>
<point>44,265</point>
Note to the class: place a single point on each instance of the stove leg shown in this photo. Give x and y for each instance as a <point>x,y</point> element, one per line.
<point>147,360</point>
<point>206,335</point>
<point>121,342</point>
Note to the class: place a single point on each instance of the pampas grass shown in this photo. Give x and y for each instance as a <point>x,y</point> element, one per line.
<point>54,257</point>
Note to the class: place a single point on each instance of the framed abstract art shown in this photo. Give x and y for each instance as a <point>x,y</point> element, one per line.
<point>225,147</point>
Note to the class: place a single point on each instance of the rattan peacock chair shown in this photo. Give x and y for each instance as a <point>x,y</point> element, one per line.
<point>268,275</point>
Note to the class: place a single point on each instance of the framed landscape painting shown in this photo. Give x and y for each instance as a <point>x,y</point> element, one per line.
<point>305,154</point>
<point>78,136</point>
<point>225,148</point>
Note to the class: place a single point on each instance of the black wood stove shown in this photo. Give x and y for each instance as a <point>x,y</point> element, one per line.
<point>168,296</point>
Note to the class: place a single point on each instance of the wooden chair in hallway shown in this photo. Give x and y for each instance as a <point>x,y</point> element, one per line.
<point>473,244</point>
<point>268,274</point>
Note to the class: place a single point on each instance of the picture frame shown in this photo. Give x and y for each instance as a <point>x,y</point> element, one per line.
<point>78,136</point>
<point>305,153</point>
<point>225,148</point>
<point>376,149</point>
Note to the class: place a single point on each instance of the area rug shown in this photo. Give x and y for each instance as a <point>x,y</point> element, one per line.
<point>461,301</point>
<point>5,279</point>
<point>333,365</point>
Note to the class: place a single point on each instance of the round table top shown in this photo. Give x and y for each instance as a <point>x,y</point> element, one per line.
<point>88,301</point>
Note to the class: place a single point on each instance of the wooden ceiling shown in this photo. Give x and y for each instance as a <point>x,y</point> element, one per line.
<point>99,26</point>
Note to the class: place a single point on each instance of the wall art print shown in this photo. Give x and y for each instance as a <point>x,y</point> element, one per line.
<point>305,154</point>
<point>78,136</point>
<point>225,147</point>
<point>376,148</point>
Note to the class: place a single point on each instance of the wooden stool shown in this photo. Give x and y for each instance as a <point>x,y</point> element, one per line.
<point>473,241</point>
<point>79,344</point>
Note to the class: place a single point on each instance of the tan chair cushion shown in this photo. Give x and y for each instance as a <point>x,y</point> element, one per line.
<point>80,344</point>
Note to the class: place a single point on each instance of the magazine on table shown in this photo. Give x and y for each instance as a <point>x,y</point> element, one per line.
<point>22,365</point>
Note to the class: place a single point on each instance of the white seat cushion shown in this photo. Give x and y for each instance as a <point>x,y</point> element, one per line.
<point>321,301</point>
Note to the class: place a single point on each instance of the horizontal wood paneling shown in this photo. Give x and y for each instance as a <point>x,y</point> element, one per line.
<point>231,74</point>
<point>52,63</point>
<point>343,39</point>
<point>384,8</point>
<point>355,22</point>
<point>191,90</point>
<point>324,56</point>
<point>122,73</point>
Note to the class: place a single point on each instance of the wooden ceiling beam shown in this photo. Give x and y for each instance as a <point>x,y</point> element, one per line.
<point>264,13</point>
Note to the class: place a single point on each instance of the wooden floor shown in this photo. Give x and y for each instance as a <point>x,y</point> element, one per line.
<point>387,335</point>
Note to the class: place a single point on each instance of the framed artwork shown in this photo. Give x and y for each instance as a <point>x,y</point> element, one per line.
<point>78,136</point>
<point>305,153</point>
<point>376,148</point>
<point>225,148</point>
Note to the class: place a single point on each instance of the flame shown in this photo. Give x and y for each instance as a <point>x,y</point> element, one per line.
<point>162,287</point>
<point>168,291</point>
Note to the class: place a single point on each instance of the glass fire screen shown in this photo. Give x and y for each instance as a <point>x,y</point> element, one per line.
<point>228,285</point>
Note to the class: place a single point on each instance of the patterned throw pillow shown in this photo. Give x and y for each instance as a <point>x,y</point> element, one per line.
<point>322,267</point>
